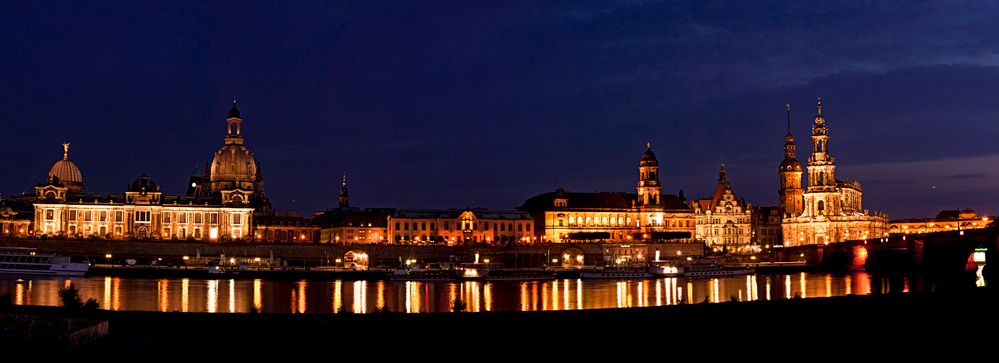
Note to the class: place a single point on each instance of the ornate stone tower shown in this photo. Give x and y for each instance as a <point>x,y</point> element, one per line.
<point>648,181</point>
<point>821,164</point>
<point>823,196</point>
<point>344,198</point>
<point>790,175</point>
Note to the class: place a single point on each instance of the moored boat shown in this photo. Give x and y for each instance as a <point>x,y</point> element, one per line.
<point>617,273</point>
<point>28,261</point>
<point>519,275</point>
<point>709,271</point>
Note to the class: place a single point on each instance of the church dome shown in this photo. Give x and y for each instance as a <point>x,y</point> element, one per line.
<point>67,172</point>
<point>233,167</point>
<point>143,184</point>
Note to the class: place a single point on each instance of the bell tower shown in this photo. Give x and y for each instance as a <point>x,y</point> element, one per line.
<point>790,191</point>
<point>648,178</point>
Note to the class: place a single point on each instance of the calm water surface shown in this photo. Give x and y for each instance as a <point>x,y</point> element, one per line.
<point>319,296</point>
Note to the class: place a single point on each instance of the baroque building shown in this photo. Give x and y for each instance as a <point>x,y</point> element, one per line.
<point>724,222</point>
<point>562,216</point>
<point>219,204</point>
<point>459,226</point>
<point>831,209</point>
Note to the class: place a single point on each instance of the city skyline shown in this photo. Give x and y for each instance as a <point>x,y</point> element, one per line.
<point>474,112</point>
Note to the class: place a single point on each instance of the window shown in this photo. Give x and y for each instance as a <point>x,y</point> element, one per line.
<point>502,227</point>
<point>509,227</point>
<point>104,216</point>
<point>49,214</point>
<point>72,215</point>
<point>141,216</point>
<point>197,219</point>
<point>431,226</point>
<point>182,217</point>
<point>119,216</point>
<point>197,233</point>
<point>560,222</point>
<point>215,218</point>
<point>423,226</point>
<point>237,219</point>
<point>487,225</point>
<point>520,228</point>
<point>447,226</point>
<point>396,225</point>
<point>528,227</point>
<point>167,217</point>
<point>822,206</point>
<point>405,226</point>
<point>87,216</point>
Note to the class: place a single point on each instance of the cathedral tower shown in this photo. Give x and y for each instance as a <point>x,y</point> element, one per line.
<point>648,182</point>
<point>790,175</point>
<point>821,164</point>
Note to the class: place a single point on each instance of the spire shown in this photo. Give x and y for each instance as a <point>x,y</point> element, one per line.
<point>820,106</point>
<point>234,112</point>
<point>787,106</point>
<point>723,175</point>
<point>344,197</point>
<point>648,146</point>
<point>65,150</point>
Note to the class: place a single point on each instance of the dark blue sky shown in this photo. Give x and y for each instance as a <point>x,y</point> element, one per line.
<point>448,104</point>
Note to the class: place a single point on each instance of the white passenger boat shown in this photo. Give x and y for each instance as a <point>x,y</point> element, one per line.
<point>617,273</point>
<point>709,271</point>
<point>28,261</point>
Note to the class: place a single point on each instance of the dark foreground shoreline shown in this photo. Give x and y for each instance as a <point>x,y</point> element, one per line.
<point>154,336</point>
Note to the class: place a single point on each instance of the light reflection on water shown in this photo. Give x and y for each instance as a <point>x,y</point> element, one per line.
<point>312,296</point>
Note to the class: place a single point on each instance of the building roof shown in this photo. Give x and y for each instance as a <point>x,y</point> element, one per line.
<point>594,200</point>
<point>455,213</point>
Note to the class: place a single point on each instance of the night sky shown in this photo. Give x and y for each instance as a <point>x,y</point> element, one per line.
<point>459,103</point>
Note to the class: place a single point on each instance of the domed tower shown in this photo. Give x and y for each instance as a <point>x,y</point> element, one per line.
<point>66,172</point>
<point>233,168</point>
<point>648,181</point>
<point>790,175</point>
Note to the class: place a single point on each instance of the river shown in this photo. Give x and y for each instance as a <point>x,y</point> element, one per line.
<point>324,296</point>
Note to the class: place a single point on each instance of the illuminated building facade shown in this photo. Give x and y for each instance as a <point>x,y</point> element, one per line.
<point>142,212</point>
<point>767,231</point>
<point>945,221</point>
<point>15,218</point>
<point>284,227</point>
<point>723,221</point>
<point>832,210</point>
<point>457,226</point>
<point>354,225</point>
<point>219,203</point>
<point>562,216</point>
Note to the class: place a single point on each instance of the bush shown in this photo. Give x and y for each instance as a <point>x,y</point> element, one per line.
<point>458,305</point>
<point>70,297</point>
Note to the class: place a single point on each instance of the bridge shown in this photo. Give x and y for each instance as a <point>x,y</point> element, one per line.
<point>933,258</point>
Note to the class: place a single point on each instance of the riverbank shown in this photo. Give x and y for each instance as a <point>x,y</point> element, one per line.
<point>154,336</point>
<point>302,255</point>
